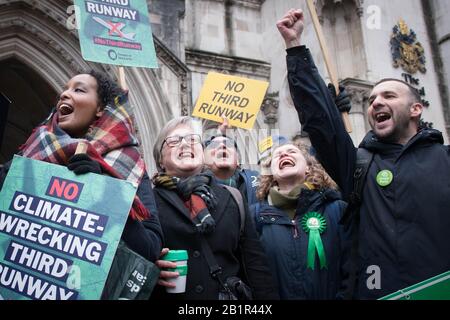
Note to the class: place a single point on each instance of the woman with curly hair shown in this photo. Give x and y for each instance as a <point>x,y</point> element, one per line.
<point>297,219</point>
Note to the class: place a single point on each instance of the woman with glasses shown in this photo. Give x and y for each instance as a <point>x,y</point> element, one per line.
<point>200,216</point>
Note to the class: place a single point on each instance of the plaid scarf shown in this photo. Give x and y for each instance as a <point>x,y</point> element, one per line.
<point>109,141</point>
<point>194,204</point>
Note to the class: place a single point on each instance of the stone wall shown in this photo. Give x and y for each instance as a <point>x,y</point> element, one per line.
<point>358,34</point>
<point>167,19</point>
<point>377,47</point>
<point>441,33</point>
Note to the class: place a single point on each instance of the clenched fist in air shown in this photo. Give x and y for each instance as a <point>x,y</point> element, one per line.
<point>291,27</point>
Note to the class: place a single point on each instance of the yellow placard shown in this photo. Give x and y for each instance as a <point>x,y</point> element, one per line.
<point>235,98</point>
<point>265,144</point>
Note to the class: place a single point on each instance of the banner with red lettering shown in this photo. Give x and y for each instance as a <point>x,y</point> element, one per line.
<point>58,231</point>
<point>116,32</point>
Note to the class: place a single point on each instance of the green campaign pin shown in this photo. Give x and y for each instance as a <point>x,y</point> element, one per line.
<point>384,178</point>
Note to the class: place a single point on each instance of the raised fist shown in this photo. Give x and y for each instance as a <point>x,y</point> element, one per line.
<point>291,27</point>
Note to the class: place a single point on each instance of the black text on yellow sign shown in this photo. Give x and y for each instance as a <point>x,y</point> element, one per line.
<point>235,98</point>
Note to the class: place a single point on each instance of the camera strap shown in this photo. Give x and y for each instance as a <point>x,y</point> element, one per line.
<point>214,269</point>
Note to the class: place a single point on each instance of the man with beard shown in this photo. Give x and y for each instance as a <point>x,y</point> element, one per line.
<point>403,221</point>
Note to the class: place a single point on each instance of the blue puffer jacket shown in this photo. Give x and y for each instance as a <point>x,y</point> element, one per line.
<point>286,246</point>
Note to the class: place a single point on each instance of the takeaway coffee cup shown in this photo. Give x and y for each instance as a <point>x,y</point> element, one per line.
<point>180,257</point>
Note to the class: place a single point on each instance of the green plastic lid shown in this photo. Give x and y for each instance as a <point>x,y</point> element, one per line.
<point>176,255</point>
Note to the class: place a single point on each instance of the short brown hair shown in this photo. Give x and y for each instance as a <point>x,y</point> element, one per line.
<point>414,93</point>
<point>169,127</point>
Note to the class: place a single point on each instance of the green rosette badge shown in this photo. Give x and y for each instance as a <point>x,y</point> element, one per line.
<point>315,224</point>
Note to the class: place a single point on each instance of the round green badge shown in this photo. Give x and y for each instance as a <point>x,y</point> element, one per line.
<point>314,221</point>
<point>384,178</point>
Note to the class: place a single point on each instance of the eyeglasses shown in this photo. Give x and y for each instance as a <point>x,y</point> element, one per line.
<point>214,143</point>
<point>176,140</point>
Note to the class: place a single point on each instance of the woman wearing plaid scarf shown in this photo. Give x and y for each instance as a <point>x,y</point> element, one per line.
<point>89,111</point>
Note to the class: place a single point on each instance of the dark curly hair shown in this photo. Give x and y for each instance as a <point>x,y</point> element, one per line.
<point>107,88</point>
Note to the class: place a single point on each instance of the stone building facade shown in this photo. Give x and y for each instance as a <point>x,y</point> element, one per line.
<point>39,52</point>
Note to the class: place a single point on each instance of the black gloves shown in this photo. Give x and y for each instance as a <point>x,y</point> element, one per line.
<point>207,195</point>
<point>199,185</point>
<point>82,163</point>
<point>204,222</point>
<point>342,101</point>
<point>186,186</point>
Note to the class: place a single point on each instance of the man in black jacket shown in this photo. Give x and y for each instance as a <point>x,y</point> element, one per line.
<point>404,219</point>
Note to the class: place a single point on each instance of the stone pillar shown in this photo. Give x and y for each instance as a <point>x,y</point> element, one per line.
<point>438,25</point>
<point>359,91</point>
<point>270,109</point>
<point>342,27</point>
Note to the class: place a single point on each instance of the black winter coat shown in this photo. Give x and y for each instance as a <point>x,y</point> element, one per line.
<point>404,227</point>
<point>286,245</point>
<point>181,234</point>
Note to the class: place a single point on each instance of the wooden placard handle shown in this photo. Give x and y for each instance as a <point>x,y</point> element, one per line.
<point>329,64</point>
<point>122,78</point>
